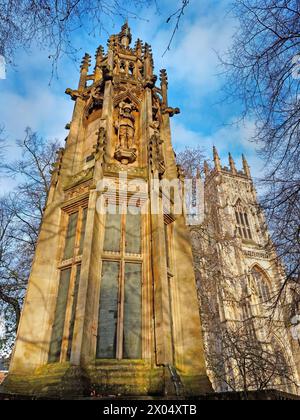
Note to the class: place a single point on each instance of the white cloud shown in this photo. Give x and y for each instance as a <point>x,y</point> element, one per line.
<point>193,57</point>
<point>28,100</point>
<point>41,110</point>
<point>233,138</point>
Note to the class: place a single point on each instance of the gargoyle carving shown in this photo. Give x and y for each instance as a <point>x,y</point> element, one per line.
<point>171,111</point>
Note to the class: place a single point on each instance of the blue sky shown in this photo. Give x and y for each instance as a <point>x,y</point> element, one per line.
<point>195,81</point>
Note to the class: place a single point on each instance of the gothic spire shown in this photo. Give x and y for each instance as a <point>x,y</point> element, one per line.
<point>232,164</point>
<point>217,160</point>
<point>86,61</point>
<point>246,167</point>
<point>139,48</point>
<point>99,58</point>
<point>164,86</point>
<point>125,35</point>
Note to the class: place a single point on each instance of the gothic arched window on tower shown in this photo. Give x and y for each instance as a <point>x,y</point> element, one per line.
<point>69,277</point>
<point>262,284</point>
<point>242,220</point>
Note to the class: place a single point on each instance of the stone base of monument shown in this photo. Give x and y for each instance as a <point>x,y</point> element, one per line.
<point>58,381</point>
<point>105,378</point>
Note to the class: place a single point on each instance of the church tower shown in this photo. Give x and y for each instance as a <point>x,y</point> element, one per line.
<point>239,277</point>
<point>111,306</point>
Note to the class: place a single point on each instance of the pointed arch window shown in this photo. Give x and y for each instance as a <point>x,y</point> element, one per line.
<point>242,221</point>
<point>262,283</point>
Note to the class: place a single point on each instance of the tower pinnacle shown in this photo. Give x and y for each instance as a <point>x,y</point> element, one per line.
<point>125,35</point>
<point>232,164</point>
<point>217,160</point>
<point>246,167</point>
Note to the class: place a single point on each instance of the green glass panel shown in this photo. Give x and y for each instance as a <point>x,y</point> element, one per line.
<point>133,312</point>
<point>72,321</point>
<point>71,236</point>
<point>60,315</point>
<point>82,233</point>
<point>133,233</point>
<point>108,311</point>
<point>112,233</point>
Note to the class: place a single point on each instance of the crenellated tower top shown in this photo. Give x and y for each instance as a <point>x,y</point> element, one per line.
<point>231,169</point>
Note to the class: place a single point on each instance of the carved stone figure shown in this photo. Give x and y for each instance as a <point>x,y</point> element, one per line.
<point>126,126</point>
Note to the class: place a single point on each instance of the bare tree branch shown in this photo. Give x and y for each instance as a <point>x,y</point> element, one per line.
<point>263,74</point>
<point>178,15</point>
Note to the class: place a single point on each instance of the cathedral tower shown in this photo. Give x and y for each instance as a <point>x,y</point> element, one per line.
<point>239,277</point>
<point>111,306</point>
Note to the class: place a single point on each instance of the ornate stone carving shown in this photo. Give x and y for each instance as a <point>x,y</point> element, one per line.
<point>171,111</point>
<point>156,156</point>
<point>79,178</point>
<point>57,166</point>
<point>125,128</point>
<point>95,100</point>
<point>132,172</point>
<point>107,73</point>
<point>99,147</point>
<point>75,94</point>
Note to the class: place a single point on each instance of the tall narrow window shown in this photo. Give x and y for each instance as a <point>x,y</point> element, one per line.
<point>73,314</point>
<point>108,310</point>
<point>75,234</point>
<point>133,311</point>
<point>120,306</point>
<point>71,236</point>
<point>70,269</point>
<point>167,235</point>
<point>242,220</point>
<point>263,285</point>
<point>112,241</point>
<point>60,315</point>
<point>82,232</point>
<point>133,233</point>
